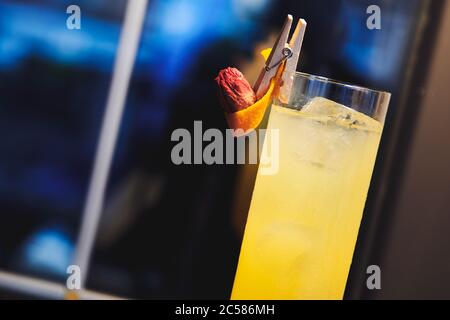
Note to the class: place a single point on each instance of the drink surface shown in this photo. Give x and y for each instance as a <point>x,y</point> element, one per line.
<point>304,220</point>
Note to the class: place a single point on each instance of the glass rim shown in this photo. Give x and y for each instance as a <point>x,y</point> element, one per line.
<point>340,83</point>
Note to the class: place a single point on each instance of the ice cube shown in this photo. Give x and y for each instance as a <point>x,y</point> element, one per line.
<point>322,106</point>
<point>340,114</point>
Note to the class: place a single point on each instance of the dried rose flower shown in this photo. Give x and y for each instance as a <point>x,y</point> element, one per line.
<point>235,93</point>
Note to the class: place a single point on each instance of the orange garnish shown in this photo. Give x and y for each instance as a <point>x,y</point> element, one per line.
<point>247,120</point>
<point>244,121</point>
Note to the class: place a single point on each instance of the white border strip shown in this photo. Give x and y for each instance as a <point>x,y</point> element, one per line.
<point>45,289</point>
<point>123,67</point>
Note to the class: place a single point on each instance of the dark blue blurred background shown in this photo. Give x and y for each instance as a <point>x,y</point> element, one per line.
<point>166,231</point>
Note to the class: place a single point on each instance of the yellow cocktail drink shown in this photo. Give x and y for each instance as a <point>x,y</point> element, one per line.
<point>303,221</point>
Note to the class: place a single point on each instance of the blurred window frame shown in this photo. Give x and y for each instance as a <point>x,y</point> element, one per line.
<point>36,287</point>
